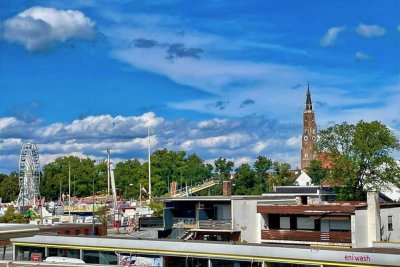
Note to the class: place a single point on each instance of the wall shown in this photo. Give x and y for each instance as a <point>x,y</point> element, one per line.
<point>394,235</point>
<point>360,229</point>
<point>245,219</point>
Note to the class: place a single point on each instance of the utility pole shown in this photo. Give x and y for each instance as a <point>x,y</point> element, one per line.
<point>69,191</point>
<point>148,137</point>
<point>108,171</point>
<point>93,206</point>
<point>140,195</point>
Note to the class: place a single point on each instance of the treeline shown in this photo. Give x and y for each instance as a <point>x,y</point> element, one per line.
<point>166,166</point>
<point>9,187</point>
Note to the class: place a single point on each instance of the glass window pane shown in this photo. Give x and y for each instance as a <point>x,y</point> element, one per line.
<point>61,252</point>
<point>305,223</point>
<point>284,223</point>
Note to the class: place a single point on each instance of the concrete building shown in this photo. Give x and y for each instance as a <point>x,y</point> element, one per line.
<point>126,251</point>
<point>376,222</point>
<point>291,215</point>
<point>221,218</point>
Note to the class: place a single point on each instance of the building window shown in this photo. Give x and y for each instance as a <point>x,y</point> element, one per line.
<point>29,253</point>
<point>63,252</point>
<point>305,223</point>
<point>284,223</point>
<point>100,257</point>
<point>390,223</point>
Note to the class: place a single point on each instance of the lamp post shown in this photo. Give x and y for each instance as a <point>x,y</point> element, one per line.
<point>93,206</point>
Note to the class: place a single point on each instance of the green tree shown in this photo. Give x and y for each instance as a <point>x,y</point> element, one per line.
<point>128,173</point>
<point>2,177</point>
<point>317,172</point>
<point>83,171</point>
<point>103,215</point>
<point>194,169</point>
<point>261,165</point>
<point>156,207</point>
<point>245,182</point>
<point>167,166</point>
<point>281,175</point>
<point>223,167</point>
<point>10,216</point>
<point>361,156</point>
<point>9,187</point>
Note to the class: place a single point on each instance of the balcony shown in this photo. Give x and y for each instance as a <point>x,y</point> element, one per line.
<point>215,224</point>
<point>187,223</point>
<point>308,236</point>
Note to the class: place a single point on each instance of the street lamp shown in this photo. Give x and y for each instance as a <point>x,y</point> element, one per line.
<point>93,206</point>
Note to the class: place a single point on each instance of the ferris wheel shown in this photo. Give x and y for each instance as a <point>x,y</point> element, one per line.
<point>29,175</point>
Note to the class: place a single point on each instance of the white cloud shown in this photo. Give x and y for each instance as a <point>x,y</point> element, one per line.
<point>362,56</point>
<point>105,125</point>
<point>242,160</point>
<point>10,144</point>
<point>370,30</point>
<point>11,126</point>
<point>259,147</point>
<point>294,142</point>
<point>38,28</point>
<point>231,141</point>
<point>7,122</point>
<point>330,36</point>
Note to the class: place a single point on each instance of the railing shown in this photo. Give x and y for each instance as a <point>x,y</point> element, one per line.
<point>302,235</point>
<point>184,222</point>
<point>188,190</point>
<point>215,224</point>
<point>177,233</point>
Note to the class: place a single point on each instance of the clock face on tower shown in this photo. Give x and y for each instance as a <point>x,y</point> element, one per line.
<point>314,138</point>
<point>305,138</point>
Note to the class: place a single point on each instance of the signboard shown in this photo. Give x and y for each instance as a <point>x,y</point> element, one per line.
<point>36,257</point>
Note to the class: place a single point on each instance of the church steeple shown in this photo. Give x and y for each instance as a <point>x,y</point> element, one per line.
<point>309,140</point>
<point>308,105</point>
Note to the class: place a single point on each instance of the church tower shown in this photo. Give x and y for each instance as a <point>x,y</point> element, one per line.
<point>309,139</point>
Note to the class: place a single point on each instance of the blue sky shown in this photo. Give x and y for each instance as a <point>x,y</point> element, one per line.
<point>216,78</point>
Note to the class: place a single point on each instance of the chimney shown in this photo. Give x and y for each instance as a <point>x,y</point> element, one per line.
<point>226,188</point>
<point>373,218</point>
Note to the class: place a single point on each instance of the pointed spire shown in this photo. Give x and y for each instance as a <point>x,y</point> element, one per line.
<point>308,105</point>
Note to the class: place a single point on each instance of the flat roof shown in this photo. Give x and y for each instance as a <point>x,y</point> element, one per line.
<point>10,230</point>
<point>268,196</point>
<point>382,205</point>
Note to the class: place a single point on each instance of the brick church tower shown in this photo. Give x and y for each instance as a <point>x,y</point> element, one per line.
<point>309,139</point>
